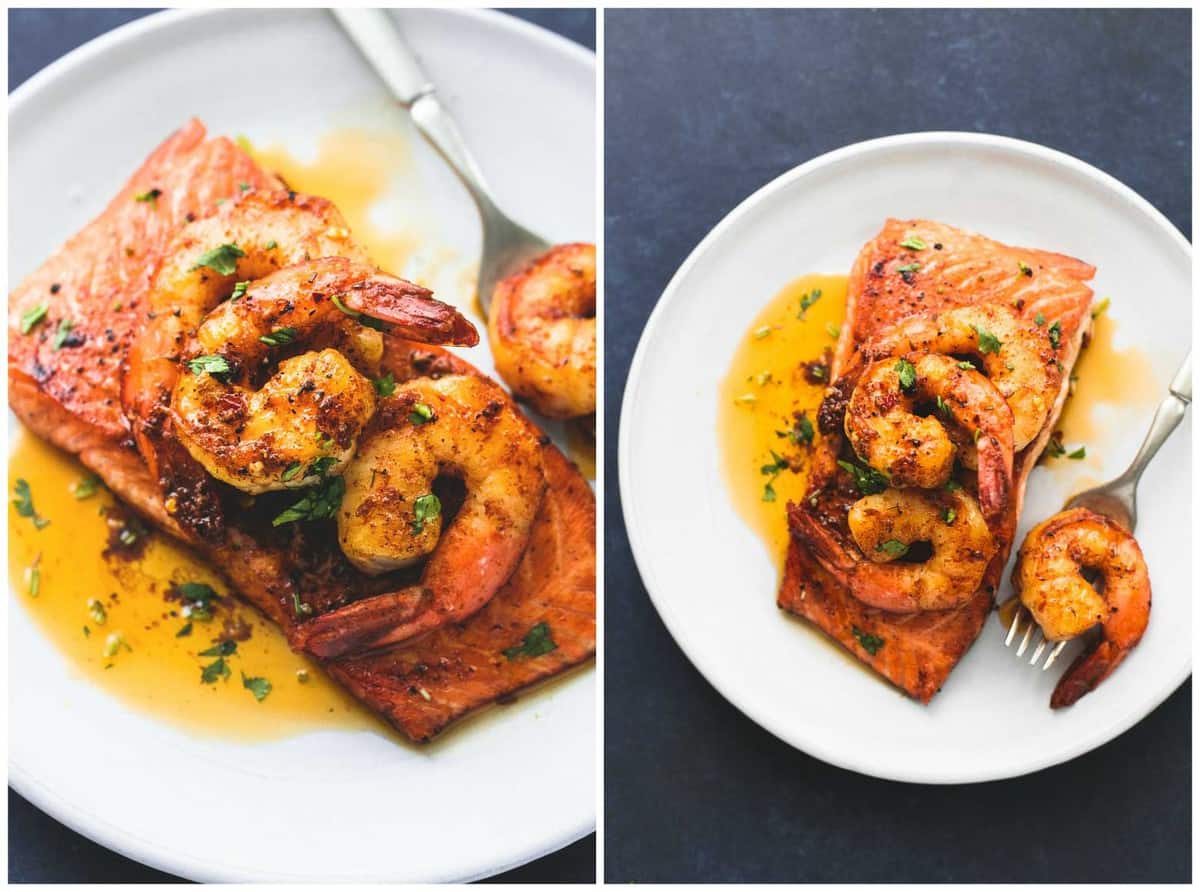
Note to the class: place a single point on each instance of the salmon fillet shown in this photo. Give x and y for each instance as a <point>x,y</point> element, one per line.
<point>916,652</point>
<point>70,396</point>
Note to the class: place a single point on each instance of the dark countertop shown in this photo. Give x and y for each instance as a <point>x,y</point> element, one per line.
<point>702,108</point>
<point>41,850</point>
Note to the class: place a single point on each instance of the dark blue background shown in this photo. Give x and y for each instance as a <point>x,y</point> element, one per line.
<point>702,108</point>
<point>40,850</point>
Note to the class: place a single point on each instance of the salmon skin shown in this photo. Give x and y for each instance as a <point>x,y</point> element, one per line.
<point>916,652</point>
<point>69,394</point>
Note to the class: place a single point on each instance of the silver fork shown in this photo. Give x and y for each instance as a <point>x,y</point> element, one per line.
<point>1116,499</point>
<point>507,246</point>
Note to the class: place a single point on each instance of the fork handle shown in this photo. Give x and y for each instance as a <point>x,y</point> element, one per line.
<point>1166,418</point>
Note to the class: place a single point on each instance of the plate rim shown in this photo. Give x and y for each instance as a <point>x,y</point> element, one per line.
<point>95,827</point>
<point>643,558</point>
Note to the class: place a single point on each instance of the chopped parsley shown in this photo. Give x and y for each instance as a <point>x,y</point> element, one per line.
<point>113,644</point>
<point>948,516</point>
<point>967,366</point>
<point>243,187</point>
<point>868,480</point>
<point>869,643</point>
<point>271,245</point>
<point>1101,307</point>
<point>914,243</point>
<point>761,333</point>
<point>318,503</point>
<point>239,289</point>
<point>259,687</point>
<point>988,342</point>
<point>833,330</point>
<point>908,271</point>
<point>807,299</point>
<point>211,363</point>
<point>1039,320</point>
<point>386,385</point>
<point>1055,332</point>
<point>24,504</point>
<point>220,649</point>
<point>773,470</point>
<point>32,317</point>
<point>198,598</point>
<point>97,612</point>
<point>953,485</point>
<point>221,260</point>
<point>1079,453</point>
<point>33,576</point>
<point>893,548</point>
<point>60,336</point>
<point>150,197</point>
<point>185,630</point>
<point>299,606</point>
<point>425,508</point>
<point>86,487</point>
<point>1025,268</point>
<point>907,373</point>
<point>537,641</point>
<point>215,670</point>
<point>1054,446</point>
<point>279,337</point>
<point>802,431</point>
<point>291,471</point>
<point>420,414</point>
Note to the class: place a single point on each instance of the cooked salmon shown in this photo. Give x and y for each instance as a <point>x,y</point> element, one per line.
<point>94,291</point>
<point>917,652</point>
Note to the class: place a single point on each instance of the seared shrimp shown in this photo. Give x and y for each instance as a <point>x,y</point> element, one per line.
<point>1016,354</point>
<point>885,526</point>
<point>458,426</point>
<point>304,421</point>
<point>1049,577</point>
<point>915,450</point>
<point>542,330</point>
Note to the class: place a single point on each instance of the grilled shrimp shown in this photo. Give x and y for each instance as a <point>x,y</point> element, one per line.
<point>1049,577</point>
<point>542,330</point>
<point>913,450</point>
<point>1017,355</point>
<point>885,526</point>
<point>458,426</point>
<point>303,422</point>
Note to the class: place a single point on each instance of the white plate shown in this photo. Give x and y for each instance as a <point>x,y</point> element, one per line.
<point>338,805</point>
<point>992,719</point>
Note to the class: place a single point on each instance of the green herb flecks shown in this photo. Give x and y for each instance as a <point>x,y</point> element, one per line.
<point>239,289</point>
<point>31,317</point>
<point>150,197</point>
<point>914,243</point>
<point>1055,333</point>
<point>1079,453</point>
<point>807,299</point>
<point>1025,268</point>
<point>425,508</point>
<point>948,516</point>
<point>537,641</point>
<point>214,671</point>
<point>24,504</point>
<point>421,414</point>
<point>259,687</point>
<point>870,643</point>
<point>386,385</point>
<point>86,487</point>
<point>222,260</point>
<point>988,342</point>
<point>62,334</point>
<point>318,503</point>
<point>868,480</point>
<point>279,337</point>
<point>212,364</point>
<point>907,373</point>
<point>893,548</point>
<point>1101,307</point>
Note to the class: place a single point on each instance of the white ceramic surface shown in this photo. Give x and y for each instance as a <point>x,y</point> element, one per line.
<point>992,718</point>
<point>516,783</point>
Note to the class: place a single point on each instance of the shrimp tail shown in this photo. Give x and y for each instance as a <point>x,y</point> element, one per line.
<point>412,311</point>
<point>1085,674</point>
<point>366,624</point>
<point>995,478</point>
<point>856,573</point>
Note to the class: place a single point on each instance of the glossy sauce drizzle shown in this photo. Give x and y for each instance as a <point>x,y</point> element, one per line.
<point>765,390</point>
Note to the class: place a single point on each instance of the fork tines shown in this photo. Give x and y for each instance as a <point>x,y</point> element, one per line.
<point>1022,617</point>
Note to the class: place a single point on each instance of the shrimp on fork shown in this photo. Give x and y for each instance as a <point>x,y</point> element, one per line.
<point>458,426</point>
<point>302,423</point>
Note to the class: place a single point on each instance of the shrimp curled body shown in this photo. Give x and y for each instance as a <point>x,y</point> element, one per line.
<point>1017,355</point>
<point>542,329</point>
<point>885,526</point>
<point>1050,580</point>
<point>457,426</point>
<point>915,450</point>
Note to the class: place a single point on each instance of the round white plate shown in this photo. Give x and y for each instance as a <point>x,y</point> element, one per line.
<point>337,805</point>
<point>992,718</point>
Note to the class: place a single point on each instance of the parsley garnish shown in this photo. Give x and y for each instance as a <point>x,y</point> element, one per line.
<point>386,385</point>
<point>185,630</point>
<point>299,606</point>
<point>214,670</point>
<point>914,243</point>
<point>198,600</point>
<point>537,641</point>
<point>1024,268</point>
<point>291,471</point>
<point>1081,452</point>
<point>87,487</point>
<point>868,480</point>
<point>212,363</point>
<point>221,260</point>
<point>988,342</point>
<point>967,366</point>
<point>425,507</point>
<point>807,299</point>
<point>833,330</point>
<point>948,515</point>
<point>1054,446</point>
<point>32,317</point>
<point>239,289</point>
<point>907,373</point>
<point>870,643</point>
<point>1039,320</point>
<point>1101,307</point>
<point>259,687</point>
<point>220,649</point>
<point>320,502</point>
<point>150,197</point>
<point>64,331</point>
<point>908,271</point>
<point>278,337</point>
<point>24,504</point>
<point>1055,332</point>
<point>271,245</point>
<point>893,548</point>
<point>802,431</point>
<point>97,612</point>
<point>420,414</point>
